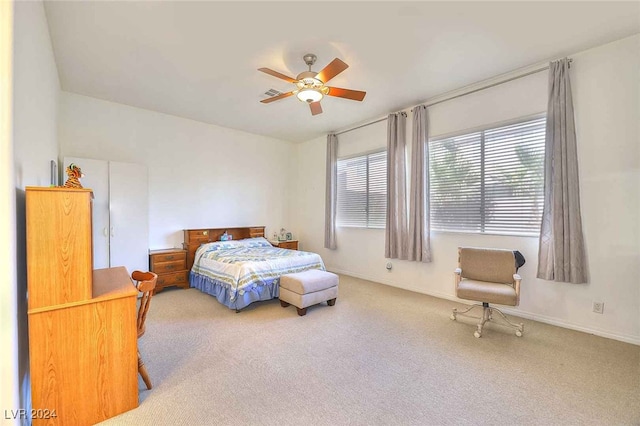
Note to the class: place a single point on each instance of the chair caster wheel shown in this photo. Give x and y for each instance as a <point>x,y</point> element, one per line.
<point>476,334</point>
<point>452,317</point>
<point>518,333</point>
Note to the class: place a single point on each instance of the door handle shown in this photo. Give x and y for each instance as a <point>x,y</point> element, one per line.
<point>113,232</point>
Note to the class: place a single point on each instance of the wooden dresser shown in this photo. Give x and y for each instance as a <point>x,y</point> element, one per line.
<point>289,244</point>
<point>82,322</point>
<point>171,267</point>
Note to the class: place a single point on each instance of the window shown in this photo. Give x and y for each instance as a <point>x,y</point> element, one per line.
<point>362,191</point>
<point>490,181</point>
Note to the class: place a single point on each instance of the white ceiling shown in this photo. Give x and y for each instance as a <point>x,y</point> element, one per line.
<point>199,60</point>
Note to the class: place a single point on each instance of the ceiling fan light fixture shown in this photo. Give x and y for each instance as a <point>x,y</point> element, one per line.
<point>309,95</point>
<point>309,81</point>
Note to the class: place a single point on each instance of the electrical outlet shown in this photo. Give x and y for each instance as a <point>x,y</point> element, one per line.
<point>389,266</point>
<point>598,307</point>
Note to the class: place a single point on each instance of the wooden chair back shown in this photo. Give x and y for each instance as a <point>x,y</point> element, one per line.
<point>145,283</point>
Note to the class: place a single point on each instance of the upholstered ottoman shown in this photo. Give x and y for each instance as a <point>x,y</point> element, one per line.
<point>308,288</point>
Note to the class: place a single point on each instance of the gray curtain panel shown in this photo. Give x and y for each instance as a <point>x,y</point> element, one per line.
<point>419,248</point>
<point>331,193</point>
<point>395,244</point>
<point>561,255</point>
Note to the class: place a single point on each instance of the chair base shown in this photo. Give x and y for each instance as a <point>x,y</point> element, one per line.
<point>487,315</point>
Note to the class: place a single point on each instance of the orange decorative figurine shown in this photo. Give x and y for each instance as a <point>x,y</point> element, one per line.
<point>75,173</point>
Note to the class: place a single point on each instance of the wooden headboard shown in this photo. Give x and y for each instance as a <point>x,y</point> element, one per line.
<point>193,238</point>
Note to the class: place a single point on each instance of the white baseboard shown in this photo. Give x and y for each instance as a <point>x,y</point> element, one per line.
<point>635,340</point>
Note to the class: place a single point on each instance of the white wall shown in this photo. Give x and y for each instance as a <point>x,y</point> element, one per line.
<point>35,110</point>
<point>200,175</point>
<point>9,384</point>
<point>605,88</point>
<point>36,89</point>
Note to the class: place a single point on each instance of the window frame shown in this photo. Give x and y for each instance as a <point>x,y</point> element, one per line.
<point>353,156</point>
<point>477,129</point>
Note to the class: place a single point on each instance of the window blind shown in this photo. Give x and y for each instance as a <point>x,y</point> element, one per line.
<point>489,181</point>
<point>362,191</point>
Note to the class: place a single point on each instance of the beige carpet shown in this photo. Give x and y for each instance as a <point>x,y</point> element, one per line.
<point>380,356</point>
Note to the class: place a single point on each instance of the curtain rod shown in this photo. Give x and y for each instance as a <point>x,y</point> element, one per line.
<point>478,89</point>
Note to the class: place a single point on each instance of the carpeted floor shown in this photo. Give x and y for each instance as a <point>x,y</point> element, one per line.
<point>380,356</point>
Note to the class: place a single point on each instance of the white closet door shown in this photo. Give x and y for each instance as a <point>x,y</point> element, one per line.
<point>129,208</point>
<point>96,177</point>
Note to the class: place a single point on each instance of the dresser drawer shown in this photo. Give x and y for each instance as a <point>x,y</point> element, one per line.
<point>175,278</point>
<point>291,245</point>
<point>169,257</point>
<point>256,232</point>
<point>173,266</point>
<point>198,236</point>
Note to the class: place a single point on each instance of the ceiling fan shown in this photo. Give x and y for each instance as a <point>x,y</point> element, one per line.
<point>311,86</point>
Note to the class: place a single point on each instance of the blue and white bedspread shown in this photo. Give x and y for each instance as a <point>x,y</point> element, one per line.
<point>241,272</point>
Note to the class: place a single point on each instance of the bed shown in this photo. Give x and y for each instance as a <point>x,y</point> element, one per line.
<point>240,272</point>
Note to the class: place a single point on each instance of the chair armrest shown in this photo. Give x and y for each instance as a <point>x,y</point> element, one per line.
<point>457,276</point>
<point>517,278</point>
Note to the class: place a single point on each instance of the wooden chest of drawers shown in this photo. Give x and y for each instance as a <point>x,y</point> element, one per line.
<point>171,267</point>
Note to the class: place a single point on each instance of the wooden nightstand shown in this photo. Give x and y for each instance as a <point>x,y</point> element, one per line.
<point>290,244</point>
<point>171,267</point>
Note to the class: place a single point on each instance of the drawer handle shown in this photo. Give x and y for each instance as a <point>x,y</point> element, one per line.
<point>170,257</point>
<point>171,266</point>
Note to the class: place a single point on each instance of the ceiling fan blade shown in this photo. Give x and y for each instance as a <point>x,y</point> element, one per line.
<point>277,98</point>
<point>334,68</point>
<point>316,108</point>
<point>277,74</point>
<point>354,95</point>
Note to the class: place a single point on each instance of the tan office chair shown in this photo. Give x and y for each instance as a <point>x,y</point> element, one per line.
<point>145,283</point>
<point>487,276</point>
